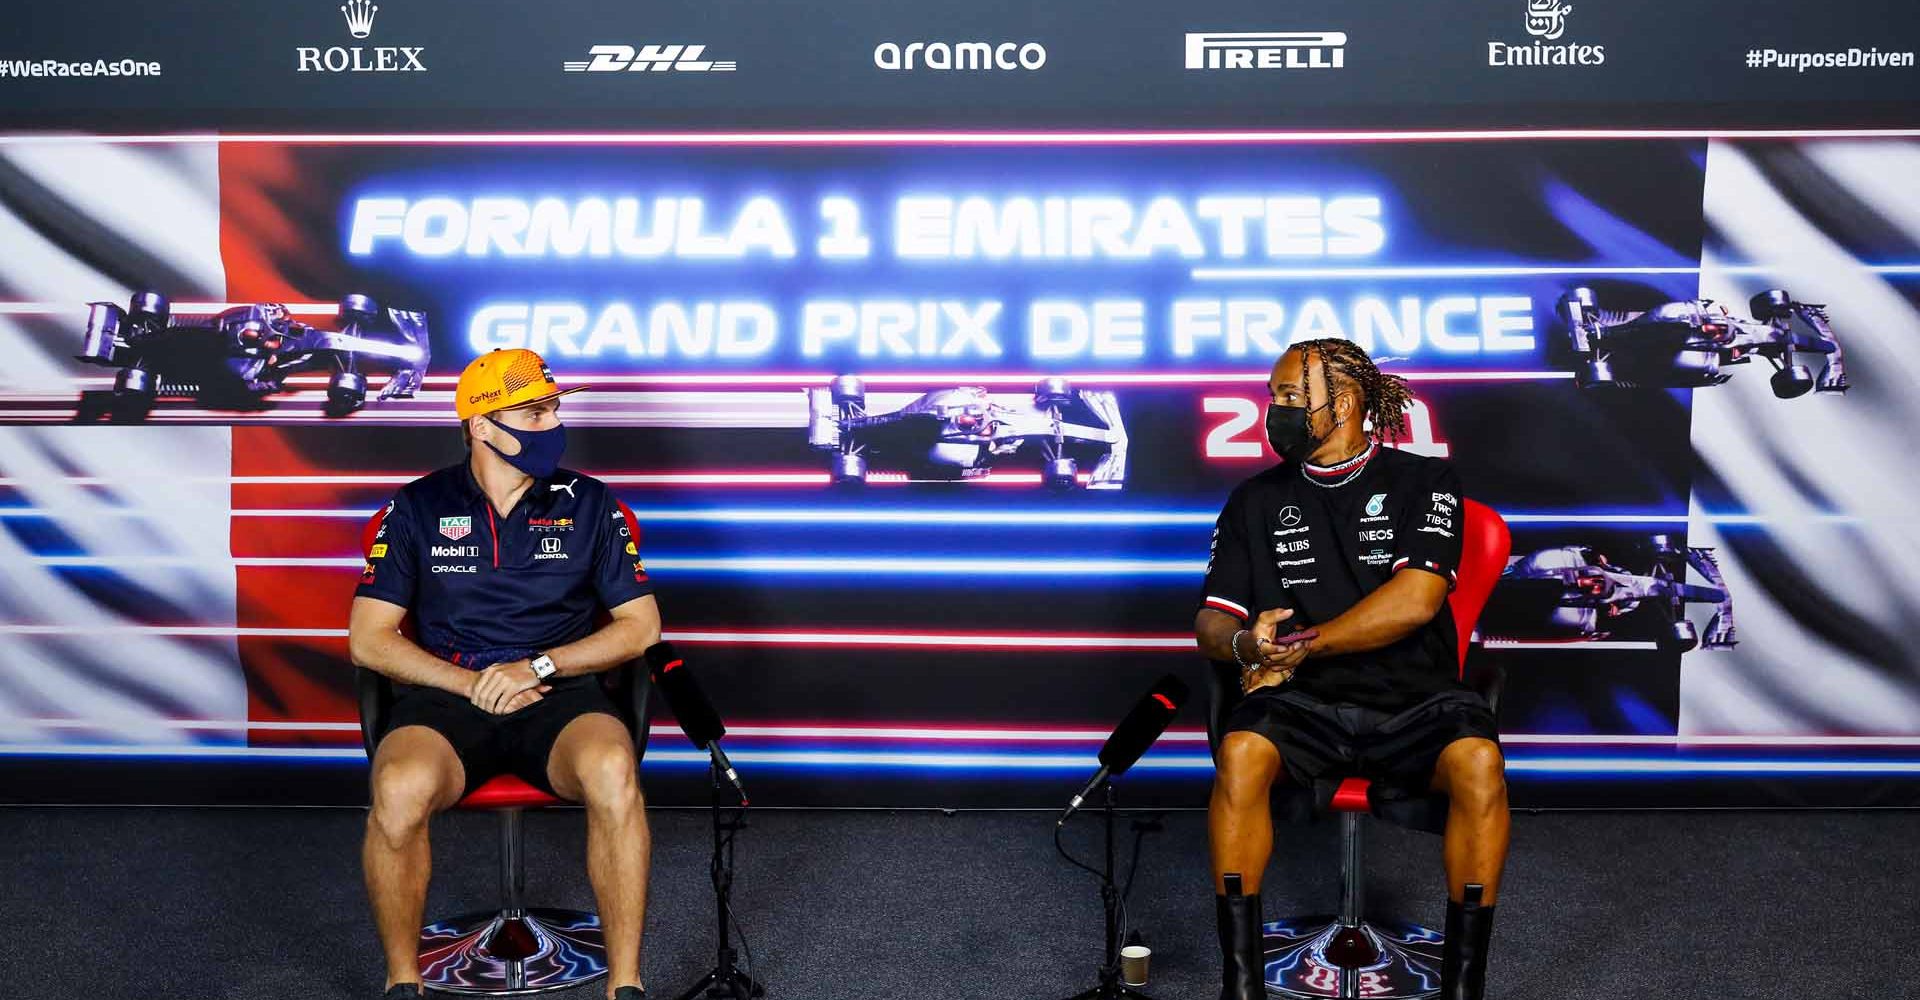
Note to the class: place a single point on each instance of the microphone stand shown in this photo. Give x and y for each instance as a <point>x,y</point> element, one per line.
<point>726,980</point>
<point>1110,987</point>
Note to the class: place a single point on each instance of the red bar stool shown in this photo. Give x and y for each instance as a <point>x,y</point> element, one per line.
<point>1347,954</point>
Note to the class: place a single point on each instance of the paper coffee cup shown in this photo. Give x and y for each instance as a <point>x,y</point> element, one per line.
<point>1133,964</point>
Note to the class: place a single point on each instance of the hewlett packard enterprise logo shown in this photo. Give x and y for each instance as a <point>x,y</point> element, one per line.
<point>1266,49</point>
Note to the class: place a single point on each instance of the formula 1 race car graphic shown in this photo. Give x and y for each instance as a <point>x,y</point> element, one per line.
<point>962,433</point>
<point>1574,592</point>
<point>233,358</point>
<point>1687,343</point>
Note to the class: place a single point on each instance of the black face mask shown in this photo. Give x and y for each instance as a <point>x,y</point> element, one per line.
<point>1290,432</point>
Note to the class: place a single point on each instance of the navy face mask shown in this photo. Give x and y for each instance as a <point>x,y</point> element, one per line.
<point>539,450</point>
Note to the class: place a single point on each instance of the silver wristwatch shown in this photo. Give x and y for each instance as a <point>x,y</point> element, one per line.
<point>543,667</point>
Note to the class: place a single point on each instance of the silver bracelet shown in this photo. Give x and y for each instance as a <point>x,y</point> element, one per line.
<point>1234,644</point>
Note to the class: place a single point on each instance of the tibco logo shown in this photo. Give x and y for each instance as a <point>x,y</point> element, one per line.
<point>963,56</point>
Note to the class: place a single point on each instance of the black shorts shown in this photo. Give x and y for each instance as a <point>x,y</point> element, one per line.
<point>1321,741</point>
<point>488,744</point>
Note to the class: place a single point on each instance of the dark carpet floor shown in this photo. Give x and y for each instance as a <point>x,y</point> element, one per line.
<point>263,903</point>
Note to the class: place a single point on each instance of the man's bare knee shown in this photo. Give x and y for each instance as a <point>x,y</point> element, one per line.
<point>1476,774</point>
<point>406,791</point>
<point>1248,764</point>
<point>605,771</point>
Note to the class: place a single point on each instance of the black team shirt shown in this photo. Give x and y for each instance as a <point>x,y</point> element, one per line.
<point>1317,540</point>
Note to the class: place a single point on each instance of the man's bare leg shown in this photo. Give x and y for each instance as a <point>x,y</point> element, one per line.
<point>1239,816</point>
<point>415,774</point>
<point>593,763</point>
<point>1472,773</point>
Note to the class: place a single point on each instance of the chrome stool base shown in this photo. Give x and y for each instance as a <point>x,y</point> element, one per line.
<point>512,953</point>
<point>1308,958</point>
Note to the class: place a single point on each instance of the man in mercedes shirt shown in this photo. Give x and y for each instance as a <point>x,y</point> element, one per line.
<point>1328,587</point>
<point>504,561</point>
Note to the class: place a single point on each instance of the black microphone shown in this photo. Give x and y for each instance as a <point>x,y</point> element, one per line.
<point>1136,732</point>
<point>690,707</point>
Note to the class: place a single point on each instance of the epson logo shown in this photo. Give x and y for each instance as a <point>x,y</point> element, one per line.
<point>964,56</point>
<point>1266,49</point>
<point>649,59</point>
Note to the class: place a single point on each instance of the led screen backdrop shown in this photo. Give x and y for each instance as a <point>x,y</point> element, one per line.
<point>754,230</point>
<point>1707,587</point>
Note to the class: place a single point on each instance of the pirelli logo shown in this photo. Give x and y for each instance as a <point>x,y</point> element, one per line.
<point>1212,50</point>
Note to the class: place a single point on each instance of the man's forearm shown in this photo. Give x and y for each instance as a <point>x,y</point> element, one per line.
<point>615,643</point>
<point>399,658</point>
<point>1215,631</point>
<point>1390,613</point>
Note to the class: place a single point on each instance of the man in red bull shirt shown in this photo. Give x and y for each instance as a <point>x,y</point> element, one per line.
<point>504,562</point>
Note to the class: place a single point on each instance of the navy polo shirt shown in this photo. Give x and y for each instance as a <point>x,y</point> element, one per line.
<point>485,588</point>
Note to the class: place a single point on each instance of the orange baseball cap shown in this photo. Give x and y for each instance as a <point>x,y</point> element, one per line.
<point>502,379</point>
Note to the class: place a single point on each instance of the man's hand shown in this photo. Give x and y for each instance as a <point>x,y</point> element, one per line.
<point>1275,662</point>
<point>506,687</point>
<point>1266,627</point>
<point>525,698</point>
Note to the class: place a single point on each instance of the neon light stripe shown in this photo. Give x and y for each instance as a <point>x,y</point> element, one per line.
<point>941,733</point>
<point>1560,739</point>
<point>1574,766</point>
<point>801,515</point>
<point>1566,645</point>
<point>1498,271</point>
<point>179,308</point>
<point>950,137</point>
<point>890,565</point>
<point>1662,765</point>
<point>1389,271</point>
<point>1053,642</point>
<point>920,565</point>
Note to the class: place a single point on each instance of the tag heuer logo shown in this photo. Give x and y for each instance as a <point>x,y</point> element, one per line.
<point>456,528</point>
<point>1373,506</point>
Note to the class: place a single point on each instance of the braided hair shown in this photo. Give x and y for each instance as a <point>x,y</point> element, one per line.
<point>1384,397</point>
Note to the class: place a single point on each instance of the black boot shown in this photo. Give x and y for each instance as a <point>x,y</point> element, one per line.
<point>1243,959</point>
<point>1463,960</point>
